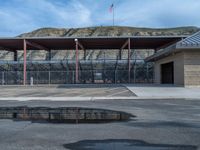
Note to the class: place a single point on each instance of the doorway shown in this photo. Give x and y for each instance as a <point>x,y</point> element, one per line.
<point>167,73</point>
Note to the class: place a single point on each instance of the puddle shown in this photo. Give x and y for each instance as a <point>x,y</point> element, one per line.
<point>124,145</point>
<point>63,114</point>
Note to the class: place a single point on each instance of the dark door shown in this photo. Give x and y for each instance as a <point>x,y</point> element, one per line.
<point>167,73</point>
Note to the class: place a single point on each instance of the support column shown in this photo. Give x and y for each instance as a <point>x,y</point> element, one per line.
<point>15,55</point>
<point>77,60</point>
<point>25,47</point>
<point>129,64</point>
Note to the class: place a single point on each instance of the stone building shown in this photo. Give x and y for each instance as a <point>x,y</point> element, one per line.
<point>179,63</point>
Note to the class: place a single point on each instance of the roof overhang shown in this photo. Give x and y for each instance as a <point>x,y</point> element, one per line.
<point>191,43</point>
<point>162,53</point>
<point>68,43</point>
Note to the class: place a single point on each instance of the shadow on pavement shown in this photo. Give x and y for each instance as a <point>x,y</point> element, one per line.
<point>162,124</point>
<point>124,144</point>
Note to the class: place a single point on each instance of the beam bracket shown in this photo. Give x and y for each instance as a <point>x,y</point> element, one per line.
<point>36,45</point>
<point>124,45</point>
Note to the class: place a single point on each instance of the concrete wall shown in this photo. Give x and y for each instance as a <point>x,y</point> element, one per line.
<point>178,60</point>
<point>192,68</point>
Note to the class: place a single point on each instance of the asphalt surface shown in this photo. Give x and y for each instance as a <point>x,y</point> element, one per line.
<point>159,125</point>
<point>102,90</point>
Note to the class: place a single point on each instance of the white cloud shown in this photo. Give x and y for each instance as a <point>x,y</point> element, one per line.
<point>18,16</point>
<point>159,13</point>
<point>42,13</point>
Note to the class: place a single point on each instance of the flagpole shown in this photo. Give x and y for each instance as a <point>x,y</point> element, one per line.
<point>113,15</point>
<point>112,10</point>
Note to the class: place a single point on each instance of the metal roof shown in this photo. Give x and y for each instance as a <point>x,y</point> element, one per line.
<point>68,43</point>
<point>190,43</point>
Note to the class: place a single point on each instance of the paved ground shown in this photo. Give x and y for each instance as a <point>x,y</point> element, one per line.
<point>66,91</point>
<point>164,91</point>
<point>92,92</point>
<point>159,125</point>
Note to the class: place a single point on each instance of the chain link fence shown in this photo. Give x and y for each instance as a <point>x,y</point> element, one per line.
<point>140,73</point>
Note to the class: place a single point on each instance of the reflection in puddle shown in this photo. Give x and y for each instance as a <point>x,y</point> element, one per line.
<point>124,145</point>
<point>63,114</point>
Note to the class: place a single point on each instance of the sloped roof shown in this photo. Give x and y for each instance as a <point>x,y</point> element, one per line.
<point>189,43</point>
<point>192,41</point>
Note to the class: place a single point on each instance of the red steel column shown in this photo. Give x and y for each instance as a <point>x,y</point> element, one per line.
<point>77,58</point>
<point>129,64</point>
<point>25,47</point>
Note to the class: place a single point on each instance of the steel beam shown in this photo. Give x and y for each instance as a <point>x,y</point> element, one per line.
<point>81,45</point>
<point>25,48</point>
<point>77,59</point>
<point>129,64</point>
<point>6,49</point>
<point>124,45</point>
<point>166,45</point>
<point>36,45</point>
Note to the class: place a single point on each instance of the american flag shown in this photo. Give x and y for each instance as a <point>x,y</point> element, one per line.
<point>111,8</point>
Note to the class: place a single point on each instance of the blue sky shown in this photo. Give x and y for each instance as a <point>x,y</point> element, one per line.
<point>19,16</point>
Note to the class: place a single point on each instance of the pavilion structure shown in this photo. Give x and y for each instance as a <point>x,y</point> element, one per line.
<point>84,43</point>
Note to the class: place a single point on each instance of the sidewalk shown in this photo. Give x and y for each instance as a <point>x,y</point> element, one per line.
<point>151,91</point>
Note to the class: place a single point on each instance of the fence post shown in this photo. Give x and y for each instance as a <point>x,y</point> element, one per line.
<point>115,77</point>
<point>49,77</point>
<point>3,78</point>
<point>135,73</point>
<point>31,81</point>
<point>73,76</point>
<point>147,73</point>
<point>37,77</point>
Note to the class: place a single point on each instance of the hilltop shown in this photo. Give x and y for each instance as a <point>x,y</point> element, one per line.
<point>109,31</point>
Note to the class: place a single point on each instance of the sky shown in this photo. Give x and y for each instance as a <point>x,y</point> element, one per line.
<point>19,16</point>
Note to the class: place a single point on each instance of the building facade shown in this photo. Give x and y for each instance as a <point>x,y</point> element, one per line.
<point>178,64</point>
